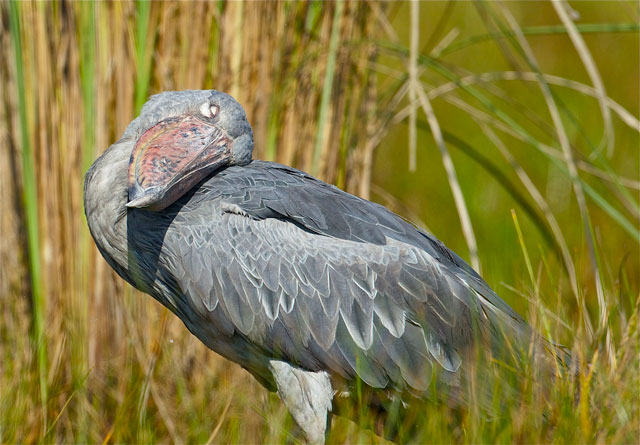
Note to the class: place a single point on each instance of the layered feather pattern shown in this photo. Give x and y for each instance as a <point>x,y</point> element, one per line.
<point>320,278</point>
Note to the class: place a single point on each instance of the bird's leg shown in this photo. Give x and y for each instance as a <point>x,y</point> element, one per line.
<point>307,395</point>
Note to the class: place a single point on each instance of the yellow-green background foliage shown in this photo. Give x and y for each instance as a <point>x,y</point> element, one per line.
<point>510,126</point>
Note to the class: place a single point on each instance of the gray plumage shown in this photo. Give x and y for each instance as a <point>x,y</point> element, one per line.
<point>263,262</point>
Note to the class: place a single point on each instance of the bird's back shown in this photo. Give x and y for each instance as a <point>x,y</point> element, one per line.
<point>263,261</point>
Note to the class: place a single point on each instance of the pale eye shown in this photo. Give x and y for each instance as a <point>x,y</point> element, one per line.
<point>209,110</point>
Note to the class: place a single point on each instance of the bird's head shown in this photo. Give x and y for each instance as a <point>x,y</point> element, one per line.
<point>180,138</point>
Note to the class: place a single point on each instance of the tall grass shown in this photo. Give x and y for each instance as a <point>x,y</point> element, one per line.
<point>327,87</point>
<point>525,127</point>
<point>30,212</point>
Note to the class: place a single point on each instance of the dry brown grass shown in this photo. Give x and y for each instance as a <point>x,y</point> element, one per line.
<point>118,368</point>
<point>95,328</point>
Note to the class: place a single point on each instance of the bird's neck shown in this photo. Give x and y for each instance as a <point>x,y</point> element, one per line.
<point>105,198</point>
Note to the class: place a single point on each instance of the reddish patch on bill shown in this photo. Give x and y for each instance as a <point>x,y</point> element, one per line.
<point>167,148</point>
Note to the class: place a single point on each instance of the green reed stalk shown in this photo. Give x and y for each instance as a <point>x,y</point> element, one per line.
<point>79,359</point>
<point>30,203</point>
<point>236,56</point>
<point>143,53</point>
<point>327,87</point>
<point>541,31</point>
<point>87,42</point>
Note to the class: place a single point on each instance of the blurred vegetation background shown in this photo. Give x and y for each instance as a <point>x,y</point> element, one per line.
<point>509,129</point>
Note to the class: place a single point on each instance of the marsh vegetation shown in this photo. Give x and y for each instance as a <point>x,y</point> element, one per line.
<point>509,129</point>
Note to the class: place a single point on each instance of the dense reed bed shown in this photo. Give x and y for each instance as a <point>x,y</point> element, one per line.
<point>510,129</point>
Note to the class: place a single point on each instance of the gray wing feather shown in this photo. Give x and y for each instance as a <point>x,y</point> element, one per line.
<point>359,361</point>
<point>324,279</point>
<point>445,355</point>
<point>359,322</point>
<point>344,296</point>
<point>390,314</point>
<point>410,355</point>
<point>235,300</point>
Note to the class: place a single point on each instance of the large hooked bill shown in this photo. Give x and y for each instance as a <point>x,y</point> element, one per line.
<point>173,156</point>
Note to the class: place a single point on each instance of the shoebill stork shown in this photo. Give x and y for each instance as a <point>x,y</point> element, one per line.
<point>305,286</point>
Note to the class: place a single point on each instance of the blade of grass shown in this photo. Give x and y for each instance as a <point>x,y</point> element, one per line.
<point>87,48</point>
<point>445,42</point>
<point>143,53</point>
<point>413,82</point>
<point>214,44</point>
<point>534,282</point>
<point>383,20</point>
<point>522,46</point>
<point>612,211</point>
<point>525,252</point>
<point>236,56</point>
<point>488,18</point>
<point>461,206</point>
<point>327,87</point>
<point>562,165</point>
<point>446,88</point>
<point>151,366</point>
<point>542,204</point>
<point>30,203</point>
<point>607,174</point>
<point>477,157</point>
<point>79,362</point>
<point>548,312</point>
<point>313,14</point>
<point>438,30</point>
<point>221,420</point>
<point>585,55</point>
<point>490,167</point>
<point>622,113</point>
<point>545,30</point>
<point>512,128</point>
<point>583,406</point>
<point>64,407</point>
<point>563,139</point>
<point>613,182</point>
<point>555,158</point>
<point>149,363</point>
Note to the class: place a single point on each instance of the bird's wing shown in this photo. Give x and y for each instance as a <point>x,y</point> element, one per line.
<point>383,312</point>
<point>328,280</point>
<point>269,190</point>
<point>386,313</point>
